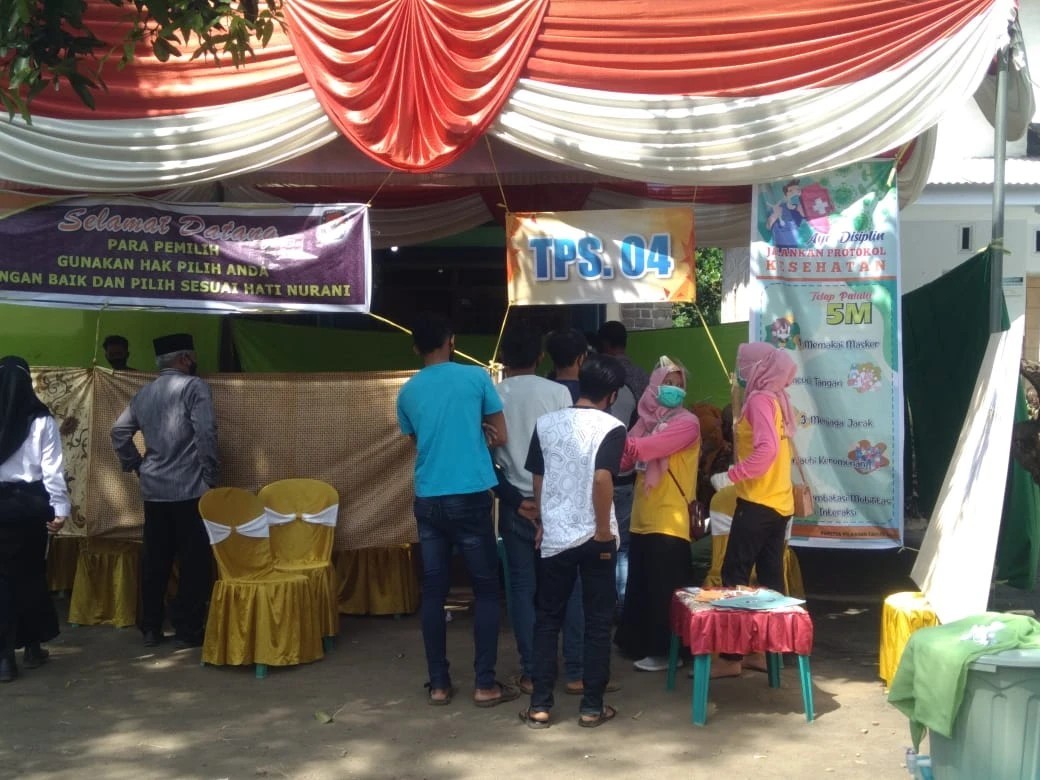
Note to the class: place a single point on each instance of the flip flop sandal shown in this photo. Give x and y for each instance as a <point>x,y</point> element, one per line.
<point>609,713</point>
<point>612,687</point>
<point>527,716</point>
<point>439,702</point>
<point>508,693</point>
<point>524,685</point>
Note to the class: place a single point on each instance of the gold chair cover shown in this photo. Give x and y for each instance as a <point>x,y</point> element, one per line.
<point>901,615</point>
<point>256,614</point>
<point>105,588</point>
<point>303,547</point>
<point>377,581</point>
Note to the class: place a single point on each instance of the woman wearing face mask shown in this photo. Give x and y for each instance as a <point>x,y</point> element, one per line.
<point>664,446</point>
<point>762,476</point>
<point>34,502</point>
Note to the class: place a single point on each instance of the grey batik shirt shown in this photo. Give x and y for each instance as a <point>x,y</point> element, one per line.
<point>175,415</point>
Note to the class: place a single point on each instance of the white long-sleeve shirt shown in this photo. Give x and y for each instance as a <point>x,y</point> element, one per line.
<point>40,458</point>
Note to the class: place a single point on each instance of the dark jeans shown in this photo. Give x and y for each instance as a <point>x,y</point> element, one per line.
<point>462,521</point>
<point>518,539</point>
<point>623,497</point>
<point>756,539</point>
<point>174,530</point>
<point>595,563</point>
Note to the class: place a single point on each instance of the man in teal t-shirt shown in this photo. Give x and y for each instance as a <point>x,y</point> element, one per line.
<point>453,413</point>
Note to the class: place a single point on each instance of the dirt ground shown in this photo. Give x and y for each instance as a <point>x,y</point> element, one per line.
<point>105,707</point>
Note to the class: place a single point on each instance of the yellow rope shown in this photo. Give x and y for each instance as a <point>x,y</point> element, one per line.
<point>711,338</point>
<point>97,334</point>
<point>494,169</point>
<point>403,329</point>
<point>498,343</point>
<point>379,189</point>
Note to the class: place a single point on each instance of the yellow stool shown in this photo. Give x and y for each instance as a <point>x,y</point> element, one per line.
<point>902,614</point>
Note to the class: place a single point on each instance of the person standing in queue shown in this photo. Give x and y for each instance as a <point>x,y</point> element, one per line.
<point>34,502</point>
<point>175,415</point>
<point>453,414</point>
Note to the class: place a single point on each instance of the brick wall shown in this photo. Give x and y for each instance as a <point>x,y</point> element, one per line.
<point>646,316</point>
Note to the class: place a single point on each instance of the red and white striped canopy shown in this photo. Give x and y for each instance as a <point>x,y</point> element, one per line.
<point>697,93</point>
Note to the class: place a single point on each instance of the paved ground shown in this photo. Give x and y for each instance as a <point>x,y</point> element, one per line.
<point>107,708</point>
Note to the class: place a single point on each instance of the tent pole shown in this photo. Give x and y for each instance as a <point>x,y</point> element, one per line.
<point>996,280</point>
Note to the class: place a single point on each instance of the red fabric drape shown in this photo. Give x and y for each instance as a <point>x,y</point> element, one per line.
<point>148,87</point>
<point>413,82</point>
<point>734,47</point>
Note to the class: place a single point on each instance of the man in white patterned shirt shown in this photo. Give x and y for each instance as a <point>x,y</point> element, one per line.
<point>175,415</point>
<point>574,455</point>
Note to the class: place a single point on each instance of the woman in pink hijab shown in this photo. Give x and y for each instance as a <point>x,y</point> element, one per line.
<point>664,446</point>
<point>762,476</point>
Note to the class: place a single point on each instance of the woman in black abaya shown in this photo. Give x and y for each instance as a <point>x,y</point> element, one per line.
<point>34,502</point>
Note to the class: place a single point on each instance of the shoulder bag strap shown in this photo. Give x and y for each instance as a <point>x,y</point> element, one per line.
<point>681,491</point>
<point>797,461</point>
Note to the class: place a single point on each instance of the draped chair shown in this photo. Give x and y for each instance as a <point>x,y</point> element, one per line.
<point>257,614</point>
<point>302,517</point>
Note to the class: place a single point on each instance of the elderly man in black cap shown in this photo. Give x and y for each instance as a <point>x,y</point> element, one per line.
<point>175,415</point>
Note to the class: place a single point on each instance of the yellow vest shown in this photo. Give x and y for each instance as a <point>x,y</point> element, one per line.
<point>664,510</point>
<point>772,489</point>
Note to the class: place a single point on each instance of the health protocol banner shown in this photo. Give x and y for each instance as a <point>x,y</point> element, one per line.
<point>132,252</point>
<point>825,285</point>
<point>622,256</point>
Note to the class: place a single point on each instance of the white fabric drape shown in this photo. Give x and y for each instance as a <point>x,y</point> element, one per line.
<point>718,141</point>
<point>256,528</point>
<point>217,532</point>
<point>129,155</point>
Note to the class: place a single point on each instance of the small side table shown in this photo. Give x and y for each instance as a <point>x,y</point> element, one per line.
<point>705,630</point>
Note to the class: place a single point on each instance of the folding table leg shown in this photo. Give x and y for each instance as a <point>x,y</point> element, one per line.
<point>807,694</point>
<point>673,662</point>
<point>327,643</point>
<point>701,675</point>
<point>261,671</point>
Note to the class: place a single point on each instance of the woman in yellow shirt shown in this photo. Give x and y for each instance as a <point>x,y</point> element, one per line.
<point>762,476</point>
<point>664,446</point>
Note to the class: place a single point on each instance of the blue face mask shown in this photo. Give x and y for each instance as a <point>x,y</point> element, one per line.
<point>670,396</point>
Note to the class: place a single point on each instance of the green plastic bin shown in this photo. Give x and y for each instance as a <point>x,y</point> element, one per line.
<point>997,732</point>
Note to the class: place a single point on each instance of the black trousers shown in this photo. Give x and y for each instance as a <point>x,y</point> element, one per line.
<point>27,614</point>
<point>173,530</point>
<point>756,539</point>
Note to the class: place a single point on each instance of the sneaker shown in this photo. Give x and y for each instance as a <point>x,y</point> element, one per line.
<point>654,663</point>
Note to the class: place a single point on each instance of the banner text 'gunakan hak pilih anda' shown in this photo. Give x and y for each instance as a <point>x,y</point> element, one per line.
<point>619,256</point>
<point>131,252</point>
<point>825,285</point>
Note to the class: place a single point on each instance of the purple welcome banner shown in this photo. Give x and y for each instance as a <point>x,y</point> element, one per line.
<point>130,252</point>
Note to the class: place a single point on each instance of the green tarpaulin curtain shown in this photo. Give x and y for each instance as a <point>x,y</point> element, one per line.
<point>945,332</point>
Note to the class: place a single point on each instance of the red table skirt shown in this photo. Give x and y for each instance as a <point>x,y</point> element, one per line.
<point>706,629</point>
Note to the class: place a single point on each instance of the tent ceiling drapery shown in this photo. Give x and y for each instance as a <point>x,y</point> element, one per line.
<point>706,92</point>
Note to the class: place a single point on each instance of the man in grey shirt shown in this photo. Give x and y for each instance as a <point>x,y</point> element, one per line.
<point>175,415</point>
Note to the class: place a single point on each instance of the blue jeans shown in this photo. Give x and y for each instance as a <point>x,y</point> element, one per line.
<point>623,496</point>
<point>594,563</point>
<point>464,522</point>
<point>518,538</point>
